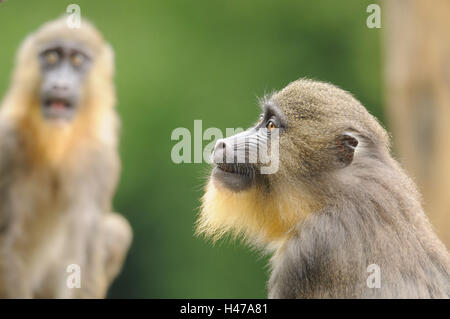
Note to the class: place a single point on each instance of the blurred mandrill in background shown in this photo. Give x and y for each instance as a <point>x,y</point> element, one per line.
<point>59,167</point>
<point>338,203</point>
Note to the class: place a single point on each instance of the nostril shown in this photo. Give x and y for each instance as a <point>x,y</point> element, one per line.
<point>220,145</point>
<point>60,87</point>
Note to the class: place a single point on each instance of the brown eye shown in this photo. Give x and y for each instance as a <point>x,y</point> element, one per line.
<point>51,57</point>
<point>77,59</point>
<point>271,125</point>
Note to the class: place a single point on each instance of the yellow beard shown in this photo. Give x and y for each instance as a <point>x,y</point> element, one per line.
<point>57,144</point>
<point>46,143</point>
<point>259,218</point>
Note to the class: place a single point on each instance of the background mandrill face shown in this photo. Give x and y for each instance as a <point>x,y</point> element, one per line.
<point>319,127</point>
<point>64,65</point>
<point>64,76</point>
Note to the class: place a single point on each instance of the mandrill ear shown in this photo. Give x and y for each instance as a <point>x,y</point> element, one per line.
<point>345,146</point>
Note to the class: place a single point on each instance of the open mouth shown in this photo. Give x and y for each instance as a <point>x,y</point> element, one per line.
<point>58,108</point>
<point>57,104</point>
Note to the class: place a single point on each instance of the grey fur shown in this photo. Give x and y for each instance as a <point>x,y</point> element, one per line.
<point>371,212</point>
<point>338,203</point>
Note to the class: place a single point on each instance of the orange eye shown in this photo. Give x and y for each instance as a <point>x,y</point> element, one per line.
<point>51,57</point>
<point>77,59</point>
<point>271,125</point>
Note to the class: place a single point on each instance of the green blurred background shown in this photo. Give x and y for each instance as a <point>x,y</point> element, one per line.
<point>178,61</point>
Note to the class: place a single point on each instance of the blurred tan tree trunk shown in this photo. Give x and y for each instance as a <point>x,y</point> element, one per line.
<point>417,56</point>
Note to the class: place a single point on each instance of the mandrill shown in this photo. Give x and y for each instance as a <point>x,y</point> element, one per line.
<point>59,167</point>
<point>337,207</point>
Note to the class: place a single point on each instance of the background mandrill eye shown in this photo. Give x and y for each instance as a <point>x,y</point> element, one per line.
<point>271,125</point>
<point>51,57</point>
<point>77,59</point>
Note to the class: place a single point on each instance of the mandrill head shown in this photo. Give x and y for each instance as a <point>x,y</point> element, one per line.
<point>62,87</point>
<point>310,140</point>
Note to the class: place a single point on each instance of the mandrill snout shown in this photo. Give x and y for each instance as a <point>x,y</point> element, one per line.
<point>234,168</point>
<point>223,152</point>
